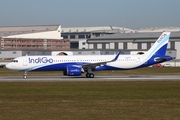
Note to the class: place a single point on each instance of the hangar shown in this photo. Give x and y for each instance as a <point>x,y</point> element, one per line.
<point>49,39</point>
<point>137,41</point>
<point>33,38</point>
<point>119,38</point>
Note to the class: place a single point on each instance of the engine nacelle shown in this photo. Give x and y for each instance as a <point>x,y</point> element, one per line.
<point>72,71</point>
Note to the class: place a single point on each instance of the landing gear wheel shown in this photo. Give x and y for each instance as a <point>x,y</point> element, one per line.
<point>89,75</point>
<point>25,75</point>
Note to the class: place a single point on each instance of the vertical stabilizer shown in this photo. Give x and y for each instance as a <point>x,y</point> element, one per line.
<point>160,46</point>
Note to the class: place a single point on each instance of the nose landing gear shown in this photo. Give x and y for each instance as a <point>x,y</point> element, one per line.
<point>25,75</point>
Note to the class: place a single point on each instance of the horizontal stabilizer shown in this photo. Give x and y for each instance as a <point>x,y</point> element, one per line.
<point>163,59</point>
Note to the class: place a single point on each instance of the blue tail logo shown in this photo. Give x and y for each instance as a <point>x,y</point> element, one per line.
<point>160,46</point>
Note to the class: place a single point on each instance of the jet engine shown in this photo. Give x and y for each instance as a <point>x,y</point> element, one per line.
<point>72,71</point>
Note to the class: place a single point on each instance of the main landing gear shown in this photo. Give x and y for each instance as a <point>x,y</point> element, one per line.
<point>89,75</point>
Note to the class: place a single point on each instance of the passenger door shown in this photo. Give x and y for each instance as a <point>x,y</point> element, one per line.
<point>25,61</point>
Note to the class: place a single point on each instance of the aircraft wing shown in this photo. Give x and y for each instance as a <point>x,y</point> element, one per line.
<point>94,65</point>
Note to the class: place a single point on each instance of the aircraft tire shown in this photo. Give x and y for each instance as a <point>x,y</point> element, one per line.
<point>89,75</point>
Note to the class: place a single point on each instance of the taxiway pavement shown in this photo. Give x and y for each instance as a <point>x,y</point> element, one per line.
<point>82,78</point>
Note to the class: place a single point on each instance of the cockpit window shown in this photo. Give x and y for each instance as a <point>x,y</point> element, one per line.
<point>14,61</point>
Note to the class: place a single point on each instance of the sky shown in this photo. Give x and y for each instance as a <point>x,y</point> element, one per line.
<point>134,14</point>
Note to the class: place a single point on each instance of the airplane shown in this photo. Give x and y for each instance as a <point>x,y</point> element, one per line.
<point>76,65</point>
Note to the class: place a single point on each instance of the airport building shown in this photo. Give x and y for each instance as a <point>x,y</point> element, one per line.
<point>33,38</point>
<point>79,35</point>
<point>53,40</point>
<point>109,39</point>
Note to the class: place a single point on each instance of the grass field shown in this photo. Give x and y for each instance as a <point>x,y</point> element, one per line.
<point>157,100</point>
<point>90,100</point>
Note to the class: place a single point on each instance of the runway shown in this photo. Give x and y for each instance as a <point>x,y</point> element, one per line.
<point>82,78</point>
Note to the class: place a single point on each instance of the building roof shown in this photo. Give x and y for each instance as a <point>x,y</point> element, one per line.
<point>15,30</point>
<point>95,29</point>
<point>18,30</point>
<point>159,29</point>
<point>148,36</point>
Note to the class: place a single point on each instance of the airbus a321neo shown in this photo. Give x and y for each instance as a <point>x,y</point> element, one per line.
<point>76,65</point>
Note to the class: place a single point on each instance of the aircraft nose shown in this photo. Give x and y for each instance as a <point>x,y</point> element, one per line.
<point>9,66</point>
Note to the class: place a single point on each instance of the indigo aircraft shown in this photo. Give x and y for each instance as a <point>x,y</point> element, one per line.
<point>76,65</point>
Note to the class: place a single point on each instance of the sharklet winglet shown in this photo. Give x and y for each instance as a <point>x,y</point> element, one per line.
<point>116,56</point>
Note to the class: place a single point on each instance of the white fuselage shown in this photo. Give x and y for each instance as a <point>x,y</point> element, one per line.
<point>28,63</point>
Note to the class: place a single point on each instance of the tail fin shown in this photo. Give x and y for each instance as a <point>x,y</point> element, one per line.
<point>160,46</point>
